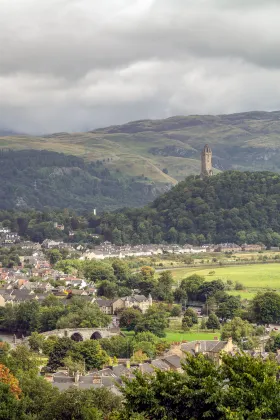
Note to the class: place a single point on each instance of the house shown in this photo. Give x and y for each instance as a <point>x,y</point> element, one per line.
<point>210,348</point>
<point>49,244</point>
<point>139,301</point>
<point>252,247</point>
<point>106,306</point>
<point>174,362</point>
<point>110,307</point>
<point>228,247</point>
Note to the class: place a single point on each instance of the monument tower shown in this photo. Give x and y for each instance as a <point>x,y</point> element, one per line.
<point>206,162</point>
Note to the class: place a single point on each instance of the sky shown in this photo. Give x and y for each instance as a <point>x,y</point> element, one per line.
<point>75,65</point>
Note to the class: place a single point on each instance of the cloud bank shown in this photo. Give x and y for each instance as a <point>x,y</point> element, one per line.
<point>74,65</point>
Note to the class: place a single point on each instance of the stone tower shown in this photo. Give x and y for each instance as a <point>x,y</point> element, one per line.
<point>206,162</point>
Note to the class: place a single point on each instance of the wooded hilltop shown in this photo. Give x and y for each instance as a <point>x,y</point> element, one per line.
<point>229,207</point>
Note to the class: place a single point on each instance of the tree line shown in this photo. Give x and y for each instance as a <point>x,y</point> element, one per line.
<point>242,387</point>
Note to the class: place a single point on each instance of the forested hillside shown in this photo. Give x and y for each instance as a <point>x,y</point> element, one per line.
<point>229,207</point>
<point>42,179</point>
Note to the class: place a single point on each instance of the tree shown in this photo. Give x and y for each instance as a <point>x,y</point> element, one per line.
<point>252,391</point>
<point>36,342</point>
<point>229,308</point>
<point>163,290</point>
<point>212,322</point>
<point>265,308</point>
<point>9,404</point>
<point>238,330</point>
<point>176,311</point>
<point>91,352</point>
<point>22,359</point>
<point>153,320</point>
<point>147,272</point>
<point>118,346</point>
<point>99,271</point>
<point>273,344</point>
<point>54,255</point>
<point>59,352</point>
<point>187,323</point>
<point>173,395</point>
<point>129,318</point>
<point>91,404</point>
<point>107,289</point>
<point>8,379</point>
<point>192,314</point>
<point>121,270</point>
<point>37,392</point>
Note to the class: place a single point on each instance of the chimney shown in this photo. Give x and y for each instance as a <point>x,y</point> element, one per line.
<point>229,344</point>
<point>97,379</point>
<point>197,347</point>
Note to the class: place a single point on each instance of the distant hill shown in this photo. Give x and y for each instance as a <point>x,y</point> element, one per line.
<point>244,141</point>
<point>229,207</point>
<point>44,179</point>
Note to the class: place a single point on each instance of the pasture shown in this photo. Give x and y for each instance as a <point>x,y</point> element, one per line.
<point>254,277</point>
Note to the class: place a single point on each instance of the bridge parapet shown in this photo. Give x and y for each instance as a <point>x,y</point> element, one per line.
<point>81,334</point>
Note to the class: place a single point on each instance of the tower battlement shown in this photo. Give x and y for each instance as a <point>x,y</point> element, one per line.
<point>206,162</point>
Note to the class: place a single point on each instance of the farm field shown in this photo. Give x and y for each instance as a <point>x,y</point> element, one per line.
<point>254,277</point>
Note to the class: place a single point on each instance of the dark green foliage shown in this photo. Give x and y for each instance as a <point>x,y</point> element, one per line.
<point>212,322</point>
<point>42,179</point>
<point>163,290</point>
<point>154,320</point>
<point>129,318</point>
<point>229,207</point>
<point>251,391</point>
<point>59,352</point>
<point>9,406</point>
<point>52,313</point>
<point>91,353</point>
<point>73,404</point>
<point>229,307</point>
<point>273,344</point>
<point>265,308</point>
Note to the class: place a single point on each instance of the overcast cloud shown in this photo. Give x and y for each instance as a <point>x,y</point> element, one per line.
<point>74,65</point>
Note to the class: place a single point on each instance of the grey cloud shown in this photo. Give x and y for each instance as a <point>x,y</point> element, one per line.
<point>78,64</point>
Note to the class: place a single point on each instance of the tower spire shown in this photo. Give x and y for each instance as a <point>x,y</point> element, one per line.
<point>206,162</point>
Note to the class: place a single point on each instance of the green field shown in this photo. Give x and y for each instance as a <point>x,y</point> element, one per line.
<point>190,336</point>
<point>172,336</point>
<point>254,277</point>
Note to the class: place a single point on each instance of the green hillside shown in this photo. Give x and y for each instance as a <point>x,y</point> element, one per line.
<point>232,206</point>
<point>245,141</point>
<point>44,179</point>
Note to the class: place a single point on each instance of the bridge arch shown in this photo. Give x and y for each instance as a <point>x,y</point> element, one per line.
<point>76,336</point>
<point>96,336</point>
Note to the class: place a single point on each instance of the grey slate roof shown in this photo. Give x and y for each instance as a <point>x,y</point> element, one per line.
<point>174,361</point>
<point>205,346</point>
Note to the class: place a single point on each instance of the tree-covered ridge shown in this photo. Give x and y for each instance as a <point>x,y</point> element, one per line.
<point>42,179</point>
<point>229,207</point>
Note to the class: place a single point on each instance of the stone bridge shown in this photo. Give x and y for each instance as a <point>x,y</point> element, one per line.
<point>81,334</point>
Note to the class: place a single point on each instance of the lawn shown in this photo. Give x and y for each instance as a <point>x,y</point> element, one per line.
<point>254,277</point>
<point>190,336</point>
<point>175,336</point>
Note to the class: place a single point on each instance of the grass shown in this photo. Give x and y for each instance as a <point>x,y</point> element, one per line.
<point>176,336</point>
<point>172,336</point>
<point>254,277</point>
